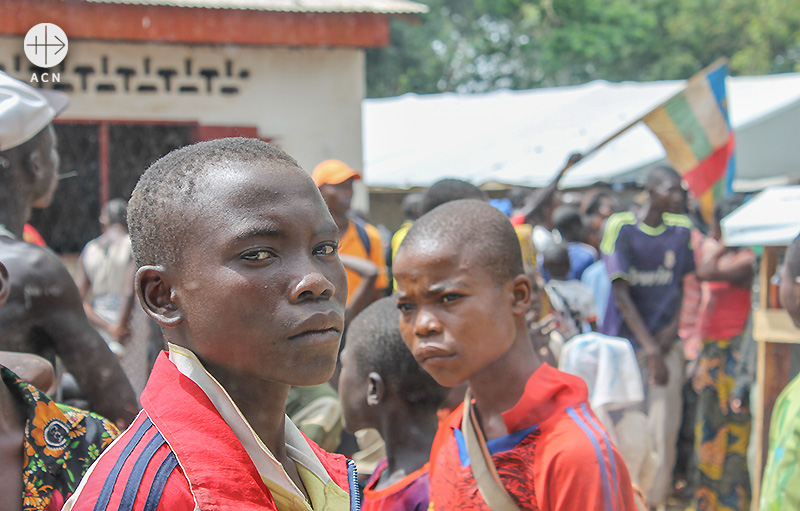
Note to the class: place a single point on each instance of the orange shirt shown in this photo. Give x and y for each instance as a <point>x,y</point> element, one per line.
<point>351,244</point>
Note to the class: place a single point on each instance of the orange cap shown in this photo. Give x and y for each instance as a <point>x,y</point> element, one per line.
<point>333,172</point>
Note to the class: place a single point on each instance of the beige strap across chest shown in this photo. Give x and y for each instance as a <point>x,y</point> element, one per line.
<point>489,483</point>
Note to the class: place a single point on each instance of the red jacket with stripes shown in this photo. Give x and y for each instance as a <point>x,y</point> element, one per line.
<point>556,457</point>
<point>180,437</point>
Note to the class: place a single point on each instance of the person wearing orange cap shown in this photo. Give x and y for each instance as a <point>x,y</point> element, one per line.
<point>356,237</point>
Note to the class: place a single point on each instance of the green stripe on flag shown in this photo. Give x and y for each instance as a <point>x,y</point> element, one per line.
<point>691,130</point>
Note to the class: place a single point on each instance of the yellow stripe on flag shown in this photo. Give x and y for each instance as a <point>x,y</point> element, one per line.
<point>707,205</point>
<point>679,152</point>
<point>704,106</point>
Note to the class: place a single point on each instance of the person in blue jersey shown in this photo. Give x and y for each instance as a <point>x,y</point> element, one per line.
<point>648,253</point>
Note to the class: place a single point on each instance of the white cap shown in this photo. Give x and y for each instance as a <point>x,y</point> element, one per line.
<point>25,111</point>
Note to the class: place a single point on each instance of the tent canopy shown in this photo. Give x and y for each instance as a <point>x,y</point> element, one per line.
<point>770,219</point>
<point>525,137</point>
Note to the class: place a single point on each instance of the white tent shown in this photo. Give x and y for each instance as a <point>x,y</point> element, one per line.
<point>771,219</point>
<point>525,137</point>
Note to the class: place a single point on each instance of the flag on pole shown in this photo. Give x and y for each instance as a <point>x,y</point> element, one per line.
<point>696,133</point>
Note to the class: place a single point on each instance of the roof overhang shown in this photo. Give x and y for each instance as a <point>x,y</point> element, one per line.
<point>354,24</point>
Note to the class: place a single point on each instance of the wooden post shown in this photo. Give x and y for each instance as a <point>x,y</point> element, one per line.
<point>774,332</point>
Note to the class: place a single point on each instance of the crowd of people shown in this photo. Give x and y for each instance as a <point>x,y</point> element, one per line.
<point>539,351</point>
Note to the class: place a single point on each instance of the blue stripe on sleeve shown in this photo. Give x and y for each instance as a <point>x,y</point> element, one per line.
<point>137,472</point>
<point>160,482</point>
<point>607,442</point>
<point>111,480</point>
<point>600,458</point>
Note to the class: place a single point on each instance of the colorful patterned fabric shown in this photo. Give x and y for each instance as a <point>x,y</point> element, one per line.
<point>721,435</point>
<point>556,457</point>
<point>408,494</point>
<point>696,133</point>
<point>60,444</point>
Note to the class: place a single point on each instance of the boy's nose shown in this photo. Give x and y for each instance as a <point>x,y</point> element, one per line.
<point>311,286</point>
<point>426,324</point>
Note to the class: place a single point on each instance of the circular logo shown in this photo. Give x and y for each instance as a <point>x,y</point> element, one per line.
<point>669,259</point>
<point>56,435</point>
<point>46,45</point>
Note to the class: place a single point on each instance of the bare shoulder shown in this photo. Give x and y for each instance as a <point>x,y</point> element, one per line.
<point>38,280</point>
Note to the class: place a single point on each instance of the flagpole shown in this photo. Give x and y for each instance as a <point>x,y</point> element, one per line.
<point>572,161</point>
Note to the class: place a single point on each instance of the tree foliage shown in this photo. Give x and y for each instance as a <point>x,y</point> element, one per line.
<point>483,45</point>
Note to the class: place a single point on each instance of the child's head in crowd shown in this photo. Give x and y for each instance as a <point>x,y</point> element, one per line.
<point>556,261</point>
<point>379,376</point>
<point>448,190</point>
<point>790,281</point>
<point>463,293</point>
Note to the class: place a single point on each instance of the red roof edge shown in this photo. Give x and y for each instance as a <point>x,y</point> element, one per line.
<point>141,23</point>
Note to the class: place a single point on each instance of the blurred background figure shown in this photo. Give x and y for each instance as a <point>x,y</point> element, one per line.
<point>357,238</point>
<point>722,421</point>
<point>44,314</point>
<point>105,276</point>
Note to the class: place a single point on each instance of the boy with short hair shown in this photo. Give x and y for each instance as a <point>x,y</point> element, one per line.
<point>381,386</point>
<point>648,253</point>
<point>464,296</point>
<point>237,262</point>
<point>780,490</point>
<point>570,298</point>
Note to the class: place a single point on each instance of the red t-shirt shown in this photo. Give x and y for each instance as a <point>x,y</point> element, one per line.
<point>556,457</point>
<point>407,494</point>
<point>725,306</point>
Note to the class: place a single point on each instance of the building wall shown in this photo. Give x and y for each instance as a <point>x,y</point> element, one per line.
<point>308,101</point>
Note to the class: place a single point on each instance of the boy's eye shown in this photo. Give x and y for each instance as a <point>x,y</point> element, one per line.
<point>449,297</point>
<point>257,255</point>
<point>405,307</point>
<point>327,249</point>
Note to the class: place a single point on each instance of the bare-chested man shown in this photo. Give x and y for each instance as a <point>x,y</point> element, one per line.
<point>44,314</point>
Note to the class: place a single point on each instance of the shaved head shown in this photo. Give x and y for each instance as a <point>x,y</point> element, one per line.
<point>161,206</point>
<point>447,190</point>
<point>661,174</point>
<point>475,229</point>
<point>792,260</point>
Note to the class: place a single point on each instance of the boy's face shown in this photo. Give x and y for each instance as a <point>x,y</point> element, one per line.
<point>353,386</point>
<point>668,196</point>
<point>48,162</point>
<point>339,196</point>
<point>790,294</point>
<point>456,319</point>
<point>260,285</point>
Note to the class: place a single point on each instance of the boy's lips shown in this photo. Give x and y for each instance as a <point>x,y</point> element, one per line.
<point>432,355</point>
<point>319,328</point>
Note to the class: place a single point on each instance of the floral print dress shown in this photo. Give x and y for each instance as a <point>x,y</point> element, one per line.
<point>60,445</point>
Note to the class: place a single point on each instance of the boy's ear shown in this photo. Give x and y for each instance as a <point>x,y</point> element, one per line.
<point>155,295</point>
<point>521,288</point>
<point>376,390</point>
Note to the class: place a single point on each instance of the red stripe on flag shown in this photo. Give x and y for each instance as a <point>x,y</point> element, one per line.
<point>710,170</point>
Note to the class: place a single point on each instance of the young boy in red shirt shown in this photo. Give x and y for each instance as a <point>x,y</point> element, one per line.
<point>381,386</point>
<point>463,296</point>
<point>237,262</point>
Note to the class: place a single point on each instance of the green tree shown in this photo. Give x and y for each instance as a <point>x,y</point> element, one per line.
<point>482,45</point>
